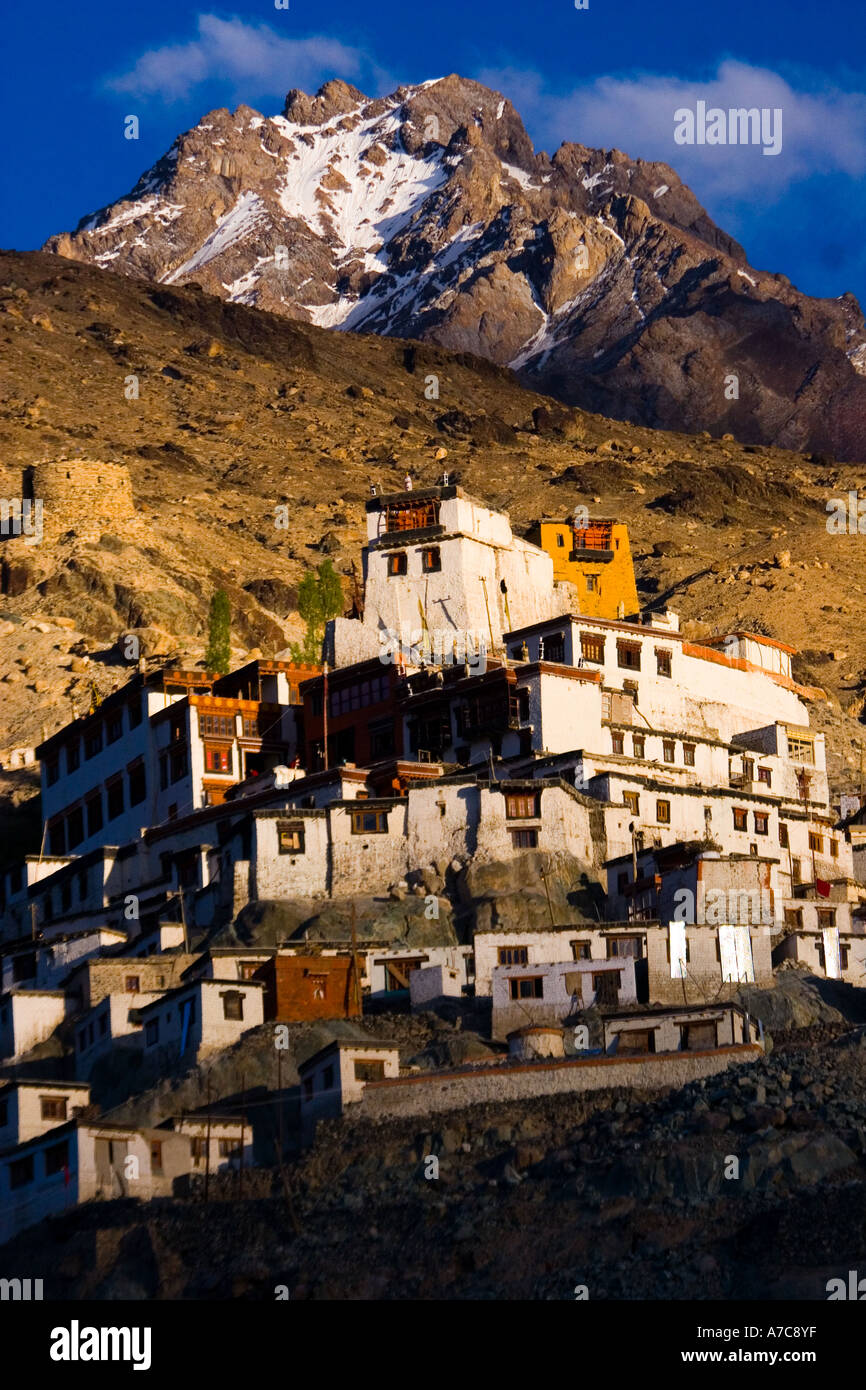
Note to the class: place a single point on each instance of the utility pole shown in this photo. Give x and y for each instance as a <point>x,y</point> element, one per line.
<point>243,1125</point>
<point>356,978</point>
<point>325,710</point>
<point>543,875</point>
<point>207,1146</point>
<point>487,606</point>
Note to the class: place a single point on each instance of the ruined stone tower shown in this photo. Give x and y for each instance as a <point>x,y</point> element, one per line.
<point>79,494</point>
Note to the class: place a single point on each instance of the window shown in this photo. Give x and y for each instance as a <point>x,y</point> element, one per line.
<point>137,783</point>
<point>617,742</point>
<point>134,712</point>
<point>522,807</point>
<point>52,772</point>
<point>638,746</point>
<point>619,946</point>
<point>524,839</point>
<point>581,950</point>
<point>411,516</point>
<point>318,986</point>
<point>553,647</point>
<point>689,754</point>
<point>431,559</point>
<point>834,849</point>
<point>56,1158</point>
<point>592,648</point>
<point>156,1155</point>
<point>151,1032</point>
<point>783,835</point>
<point>369,823</point>
<point>290,838</point>
<point>741,819</point>
<point>248,969</point>
<point>628,656</point>
<point>103,1025</point>
<point>513,955</point>
<point>177,763</point>
<point>663,661</point>
<point>75,827</point>
<point>800,750</point>
<point>843,957</point>
<point>669,750</point>
<point>816,842</point>
<point>397,563</point>
<point>621,882</point>
<point>765,775</point>
<point>527,987</point>
<point>794,918</point>
<point>699,1037</point>
<point>94,813</point>
<point>198,1150</point>
<point>115,798</point>
<point>132,984</point>
<point>348,698</point>
<point>762,823</point>
<point>592,584</point>
<point>606,985</point>
<point>114,727</point>
<point>233,1005</point>
<point>663,812</point>
<point>826,918</point>
<point>53,1107</point>
<point>632,801</point>
<point>796,871</point>
<point>636,1040</point>
<point>73,756</point>
<point>216,726</point>
<point>217,759</point>
<point>21,1171</point>
<point>230,1148</point>
<point>93,742</point>
<point>560,539</point>
<point>369,1071</point>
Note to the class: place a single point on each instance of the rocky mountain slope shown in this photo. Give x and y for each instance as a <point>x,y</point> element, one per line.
<point>427,214</point>
<point>629,1195</point>
<point>241,411</point>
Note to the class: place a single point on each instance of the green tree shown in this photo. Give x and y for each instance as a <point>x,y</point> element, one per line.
<point>320,598</point>
<point>218,656</point>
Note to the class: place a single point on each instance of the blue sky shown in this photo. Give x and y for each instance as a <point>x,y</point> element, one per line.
<point>610,75</point>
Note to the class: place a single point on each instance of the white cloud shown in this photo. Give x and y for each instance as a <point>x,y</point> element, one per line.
<point>251,59</point>
<point>823,128</point>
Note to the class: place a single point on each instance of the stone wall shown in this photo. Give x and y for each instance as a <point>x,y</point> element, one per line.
<point>425,1095</point>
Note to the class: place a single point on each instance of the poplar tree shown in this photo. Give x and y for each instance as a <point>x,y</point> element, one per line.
<point>320,598</point>
<point>218,656</point>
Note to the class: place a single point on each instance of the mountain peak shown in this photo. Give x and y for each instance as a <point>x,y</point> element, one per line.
<point>428,214</point>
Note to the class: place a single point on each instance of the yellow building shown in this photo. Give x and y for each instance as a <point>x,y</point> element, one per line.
<point>596,559</point>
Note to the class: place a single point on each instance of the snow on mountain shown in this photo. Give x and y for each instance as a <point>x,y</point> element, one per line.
<point>428,214</point>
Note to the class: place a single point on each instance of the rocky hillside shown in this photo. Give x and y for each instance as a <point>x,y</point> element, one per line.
<point>629,1195</point>
<point>240,412</point>
<point>427,214</point>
